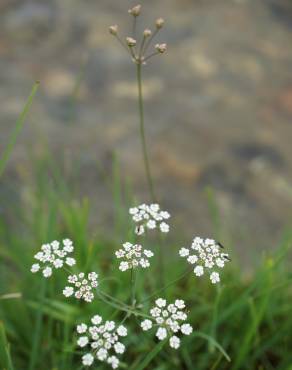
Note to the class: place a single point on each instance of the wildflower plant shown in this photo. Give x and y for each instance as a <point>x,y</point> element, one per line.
<point>102,339</point>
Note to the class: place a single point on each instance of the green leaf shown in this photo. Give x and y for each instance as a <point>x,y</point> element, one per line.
<point>150,356</point>
<point>17,129</point>
<point>5,359</point>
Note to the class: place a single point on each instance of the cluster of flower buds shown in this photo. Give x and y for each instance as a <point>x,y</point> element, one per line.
<point>149,217</point>
<point>139,52</point>
<point>205,254</point>
<point>82,286</point>
<point>134,256</point>
<point>169,320</point>
<point>103,339</point>
<point>53,255</point>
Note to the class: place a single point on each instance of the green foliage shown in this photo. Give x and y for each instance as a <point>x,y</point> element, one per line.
<point>245,323</point>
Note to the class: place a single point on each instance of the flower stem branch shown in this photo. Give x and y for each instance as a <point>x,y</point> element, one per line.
<point>142,133</point>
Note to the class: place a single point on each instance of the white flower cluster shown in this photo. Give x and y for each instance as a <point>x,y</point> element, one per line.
<point>149,217</point>
<point>205,254</point>
<point>53,255</point>
<point>134,256</point>
<point>103,339</point>
<point>168,319</point>
<point>82,286</point>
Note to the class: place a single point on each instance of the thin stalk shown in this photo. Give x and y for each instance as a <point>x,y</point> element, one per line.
<point>133,286</point>
<point>142,133</point>
<point>17,129</point>
<point>167,286</point>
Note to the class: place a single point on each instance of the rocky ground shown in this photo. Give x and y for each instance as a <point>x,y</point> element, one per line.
<point>218,107</point>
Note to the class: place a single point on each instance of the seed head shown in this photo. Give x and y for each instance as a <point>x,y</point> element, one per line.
<point>131,42</point>
<point>147,32</point>
<point>159,23</point>
<point>161,48</point>
<point>135,11</point>
<point>113,30</point>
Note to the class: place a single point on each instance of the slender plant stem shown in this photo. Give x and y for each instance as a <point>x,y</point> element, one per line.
<point>142,133</point>
<point>133,286</point>
<point>168,285</point>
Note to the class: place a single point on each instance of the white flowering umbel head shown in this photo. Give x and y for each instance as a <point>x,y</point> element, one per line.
<point>169,321</point>
<point>133,256</point>
<point>81,286</point>
<point>149,217</point>
<point>54,255</point>
<point>205,255</point>
<point>102,339</point>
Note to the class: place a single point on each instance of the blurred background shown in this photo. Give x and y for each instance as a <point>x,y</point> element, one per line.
<point>218,111</point>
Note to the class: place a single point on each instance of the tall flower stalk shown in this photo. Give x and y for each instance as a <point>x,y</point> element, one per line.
<point>142,134</point>
<point>140,56</point>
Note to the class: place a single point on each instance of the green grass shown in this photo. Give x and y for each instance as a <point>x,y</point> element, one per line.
<point>244,323</point>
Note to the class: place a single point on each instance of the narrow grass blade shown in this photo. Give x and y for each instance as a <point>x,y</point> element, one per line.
<point>5,358</point>
<point>17,129</point>
<point>213,342</point>
<point>150,356</point>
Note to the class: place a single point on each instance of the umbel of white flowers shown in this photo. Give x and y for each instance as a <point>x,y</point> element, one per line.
<point>149,217</point>
<point>169,320</point>
<point>53,255</point>
<point>103,340</point>
<point>205,255</point>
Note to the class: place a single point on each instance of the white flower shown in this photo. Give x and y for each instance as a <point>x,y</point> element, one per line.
<point>70,261</point>
<point>205,254</point>
<point>146,325</point>
<point>164,227</point>
<point>87,359</point>
<point>47,272</point>
<point>35,268</point>
<point>134,256</point>
<point>82,286</point>
<point>81,329</point>
<point>180,304</point>
<point>103,340</point>
<point>149,217</point>
<point>186,329</point>
<point>68,291</point>
<point>160,302</point>
<point>174,342</point>
<point>161,333</point>
<point>214,277</point>
<point>113,361</point>
<point>96,320</point>
<point>82,341</point>
<point>169,318</point>
<point>124,266</point>
<point>199,270</point>
<point>119,347</point>
<point>183,252</point>
<point>122,331</point>
<point>53,256</point>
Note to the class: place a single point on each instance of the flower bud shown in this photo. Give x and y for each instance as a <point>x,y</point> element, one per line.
<point>147,33</point>
<point>131,42</point>
<point>135,11</point>
<point>113,30</point>
<point>159,23</point>
<point>161,48</point>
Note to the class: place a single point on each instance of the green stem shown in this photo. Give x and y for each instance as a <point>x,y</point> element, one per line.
<point>142,133</point>
<point>133,286</point>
